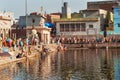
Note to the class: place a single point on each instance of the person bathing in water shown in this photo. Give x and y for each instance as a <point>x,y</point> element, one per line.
<point>61,47</point>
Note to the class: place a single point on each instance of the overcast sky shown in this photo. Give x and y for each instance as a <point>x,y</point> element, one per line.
<point>50,6</point>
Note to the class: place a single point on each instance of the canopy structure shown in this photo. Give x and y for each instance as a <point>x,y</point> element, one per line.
<point>50,25</point>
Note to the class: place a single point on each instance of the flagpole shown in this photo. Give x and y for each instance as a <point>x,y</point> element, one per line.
<point>26,7</point>
<point>26,26</point>
<point>26,17</point>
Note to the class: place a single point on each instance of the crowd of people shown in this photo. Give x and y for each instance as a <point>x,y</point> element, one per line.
<point>87,40</point>
<point>20,44</point>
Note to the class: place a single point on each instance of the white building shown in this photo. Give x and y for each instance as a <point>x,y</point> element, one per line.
<point>6,21</point>
<point>9,15</point>
<point>89,25</point>
<point>78,27</point>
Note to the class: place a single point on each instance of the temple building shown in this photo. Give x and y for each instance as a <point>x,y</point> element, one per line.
<point>33,26</point>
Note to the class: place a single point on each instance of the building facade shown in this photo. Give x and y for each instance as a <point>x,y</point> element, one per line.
<point>90,21</point>
<point>29,20</point>
<point>117,20</point>
<point>105,14</point>
<point>105,5</point>
<point>52,16</point>
<point>90,24</point>
<point>33,26</point>
<point>6,21</point>
<point>95,13</point>
<point>78,27</point>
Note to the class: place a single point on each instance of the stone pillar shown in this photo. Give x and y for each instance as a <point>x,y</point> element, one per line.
<point>42,37</point>
<point>47,39</point>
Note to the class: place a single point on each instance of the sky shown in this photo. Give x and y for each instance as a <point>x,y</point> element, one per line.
<point>49,6</point>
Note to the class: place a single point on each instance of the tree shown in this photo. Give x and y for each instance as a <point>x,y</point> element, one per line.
<point>106,23</point>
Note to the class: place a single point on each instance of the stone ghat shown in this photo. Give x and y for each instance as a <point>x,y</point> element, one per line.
<point>94,45</point>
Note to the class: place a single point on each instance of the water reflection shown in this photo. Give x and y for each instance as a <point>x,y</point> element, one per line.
<point>77,64</point>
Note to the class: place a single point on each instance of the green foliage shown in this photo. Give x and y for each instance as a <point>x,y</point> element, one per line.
<point>107,19</point>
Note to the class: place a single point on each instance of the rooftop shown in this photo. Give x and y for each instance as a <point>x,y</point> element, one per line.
<point>102,2</point>
<point>76,20</point>
<point>5,18</point>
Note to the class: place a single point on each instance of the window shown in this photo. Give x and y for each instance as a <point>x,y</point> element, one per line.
<point>66,28</point>
<point>118,24</point>
<point>90,26</point>
<point>118,11</point>
<point>61,27</point>
<point>83,27</point>
<point>72,27</point>
<point>77,27</point>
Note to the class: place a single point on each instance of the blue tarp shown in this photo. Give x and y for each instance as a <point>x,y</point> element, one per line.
<point>50,25</point>
<point>5,49</point>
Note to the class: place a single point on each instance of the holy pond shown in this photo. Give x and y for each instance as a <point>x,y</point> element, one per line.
<point>74,64</point>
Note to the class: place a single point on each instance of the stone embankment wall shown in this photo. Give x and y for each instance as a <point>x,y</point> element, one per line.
<point>94,45</point>
<point>35,51</point>
<point>52,47</point>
